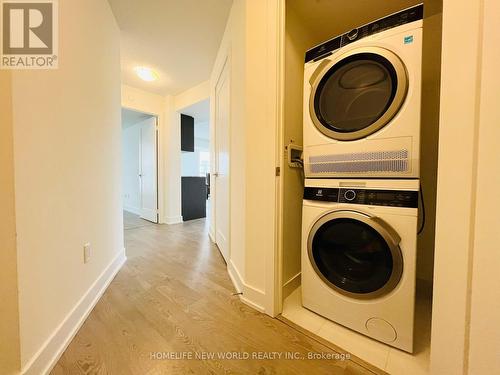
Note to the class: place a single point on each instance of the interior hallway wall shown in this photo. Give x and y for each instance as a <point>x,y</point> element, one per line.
<point>67,156</point>
<point>261,130</point>
<point>484,335</point>
<point>9,307</point>
<point>250,45</point>
<point>466,284</point>
<point>233,47</point>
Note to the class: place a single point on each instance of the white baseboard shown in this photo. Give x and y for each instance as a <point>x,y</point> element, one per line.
<point>250,296</point>
<point>211,234</point>
<point>235,277</point>
<point>254,298</point>
<point>133,210</point>
<point>50,352</point>
<point>173,220</point>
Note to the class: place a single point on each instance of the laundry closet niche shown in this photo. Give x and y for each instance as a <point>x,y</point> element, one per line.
<point>307,24</point>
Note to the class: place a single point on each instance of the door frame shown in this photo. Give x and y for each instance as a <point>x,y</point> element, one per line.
<point>218,70</point>
<point>159,156</point>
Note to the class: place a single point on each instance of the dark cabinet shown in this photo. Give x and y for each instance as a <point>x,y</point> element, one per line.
<point>194,198</point>
<point>187,133</point>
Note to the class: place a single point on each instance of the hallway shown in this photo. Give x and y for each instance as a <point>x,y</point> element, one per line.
<point>174,297</point>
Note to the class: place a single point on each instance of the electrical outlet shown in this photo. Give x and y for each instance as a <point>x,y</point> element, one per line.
<point>86,253</point>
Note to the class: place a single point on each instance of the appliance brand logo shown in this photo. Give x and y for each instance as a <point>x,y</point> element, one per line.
<point>319,193</point>
<point>29,34</point>
<point>408,39</point>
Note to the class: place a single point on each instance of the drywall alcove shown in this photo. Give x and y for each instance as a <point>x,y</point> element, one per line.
<point>307,24</point>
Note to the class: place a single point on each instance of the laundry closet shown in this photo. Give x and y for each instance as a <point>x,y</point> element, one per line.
<point>379,191</point>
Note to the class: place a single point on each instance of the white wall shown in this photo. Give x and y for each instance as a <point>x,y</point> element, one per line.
<point>297,41</point>
<point>261,147</point>
<point>9,309</point>
<point>192,95</point>
<point>465,336</point>
<point>67,157</point>
<point>250,43</point>
<point>233,47</point>
<point>484,335</point>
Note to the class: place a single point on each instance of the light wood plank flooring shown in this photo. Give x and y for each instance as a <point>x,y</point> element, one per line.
<point>174,296</point>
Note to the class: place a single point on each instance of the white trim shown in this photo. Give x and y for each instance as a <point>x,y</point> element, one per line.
<point>276,90</point>
<point>235,277</point>
<point>211,234</point>
<point>254,298</point>
<point>50,352</point>
<point>132,210</point>
<point>173,220</point>
<point>250,296</point>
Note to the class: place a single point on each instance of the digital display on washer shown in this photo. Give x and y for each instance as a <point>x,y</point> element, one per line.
<point>394,198</point>
<point>385,196</point>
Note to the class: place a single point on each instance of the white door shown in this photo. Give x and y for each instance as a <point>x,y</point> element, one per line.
<point>222,117</point>
<point>148,171</point>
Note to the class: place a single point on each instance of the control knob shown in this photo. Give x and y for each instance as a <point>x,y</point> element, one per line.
<point>350,195</point>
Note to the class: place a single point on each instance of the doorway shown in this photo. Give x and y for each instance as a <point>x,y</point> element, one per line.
<point>195,161</point>
<point>140,167</point>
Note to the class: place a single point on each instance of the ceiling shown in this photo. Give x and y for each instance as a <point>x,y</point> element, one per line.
<point>328,18</point>
<point>130,117</point>
<point>177,38</point>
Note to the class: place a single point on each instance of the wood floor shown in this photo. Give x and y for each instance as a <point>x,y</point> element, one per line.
<point>173,298</point>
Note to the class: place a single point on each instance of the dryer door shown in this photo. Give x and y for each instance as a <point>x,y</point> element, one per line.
<point>355,254</point>
<point>358,93</point>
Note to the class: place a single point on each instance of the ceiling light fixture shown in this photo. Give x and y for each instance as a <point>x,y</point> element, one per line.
<point>146,74</point>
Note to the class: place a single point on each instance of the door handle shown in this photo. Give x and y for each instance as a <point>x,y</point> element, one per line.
<point>216,174</point>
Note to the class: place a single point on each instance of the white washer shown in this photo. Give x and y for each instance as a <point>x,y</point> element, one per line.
<point>359,255</point>
<point>362,101</point>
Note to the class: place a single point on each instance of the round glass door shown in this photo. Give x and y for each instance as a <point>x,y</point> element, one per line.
<point>355,255</point>
<point>358,94</point>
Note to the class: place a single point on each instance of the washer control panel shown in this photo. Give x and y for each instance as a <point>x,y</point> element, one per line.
<point>370,197</point>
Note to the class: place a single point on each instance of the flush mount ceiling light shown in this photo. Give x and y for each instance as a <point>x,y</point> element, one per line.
<point>146,74</point>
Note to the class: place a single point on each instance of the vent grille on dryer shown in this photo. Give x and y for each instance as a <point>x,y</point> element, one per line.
<point>361,162</point>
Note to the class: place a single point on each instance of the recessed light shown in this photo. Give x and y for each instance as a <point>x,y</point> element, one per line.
<point>146,74</point>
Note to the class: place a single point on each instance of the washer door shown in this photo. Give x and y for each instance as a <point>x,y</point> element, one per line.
<point>355,254</point>
<point>358,93</point>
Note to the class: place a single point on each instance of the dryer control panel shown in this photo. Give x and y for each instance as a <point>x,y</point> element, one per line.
<point>370,197</point>
<point>405,16</point>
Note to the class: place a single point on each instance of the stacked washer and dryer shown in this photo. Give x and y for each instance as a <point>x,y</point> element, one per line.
<point>361,160</point>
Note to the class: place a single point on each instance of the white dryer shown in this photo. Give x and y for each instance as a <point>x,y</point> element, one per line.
<point>362,101</point>
<point>359,255</point>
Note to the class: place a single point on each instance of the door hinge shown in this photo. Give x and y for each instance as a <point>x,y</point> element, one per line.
<point>278,171</point>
